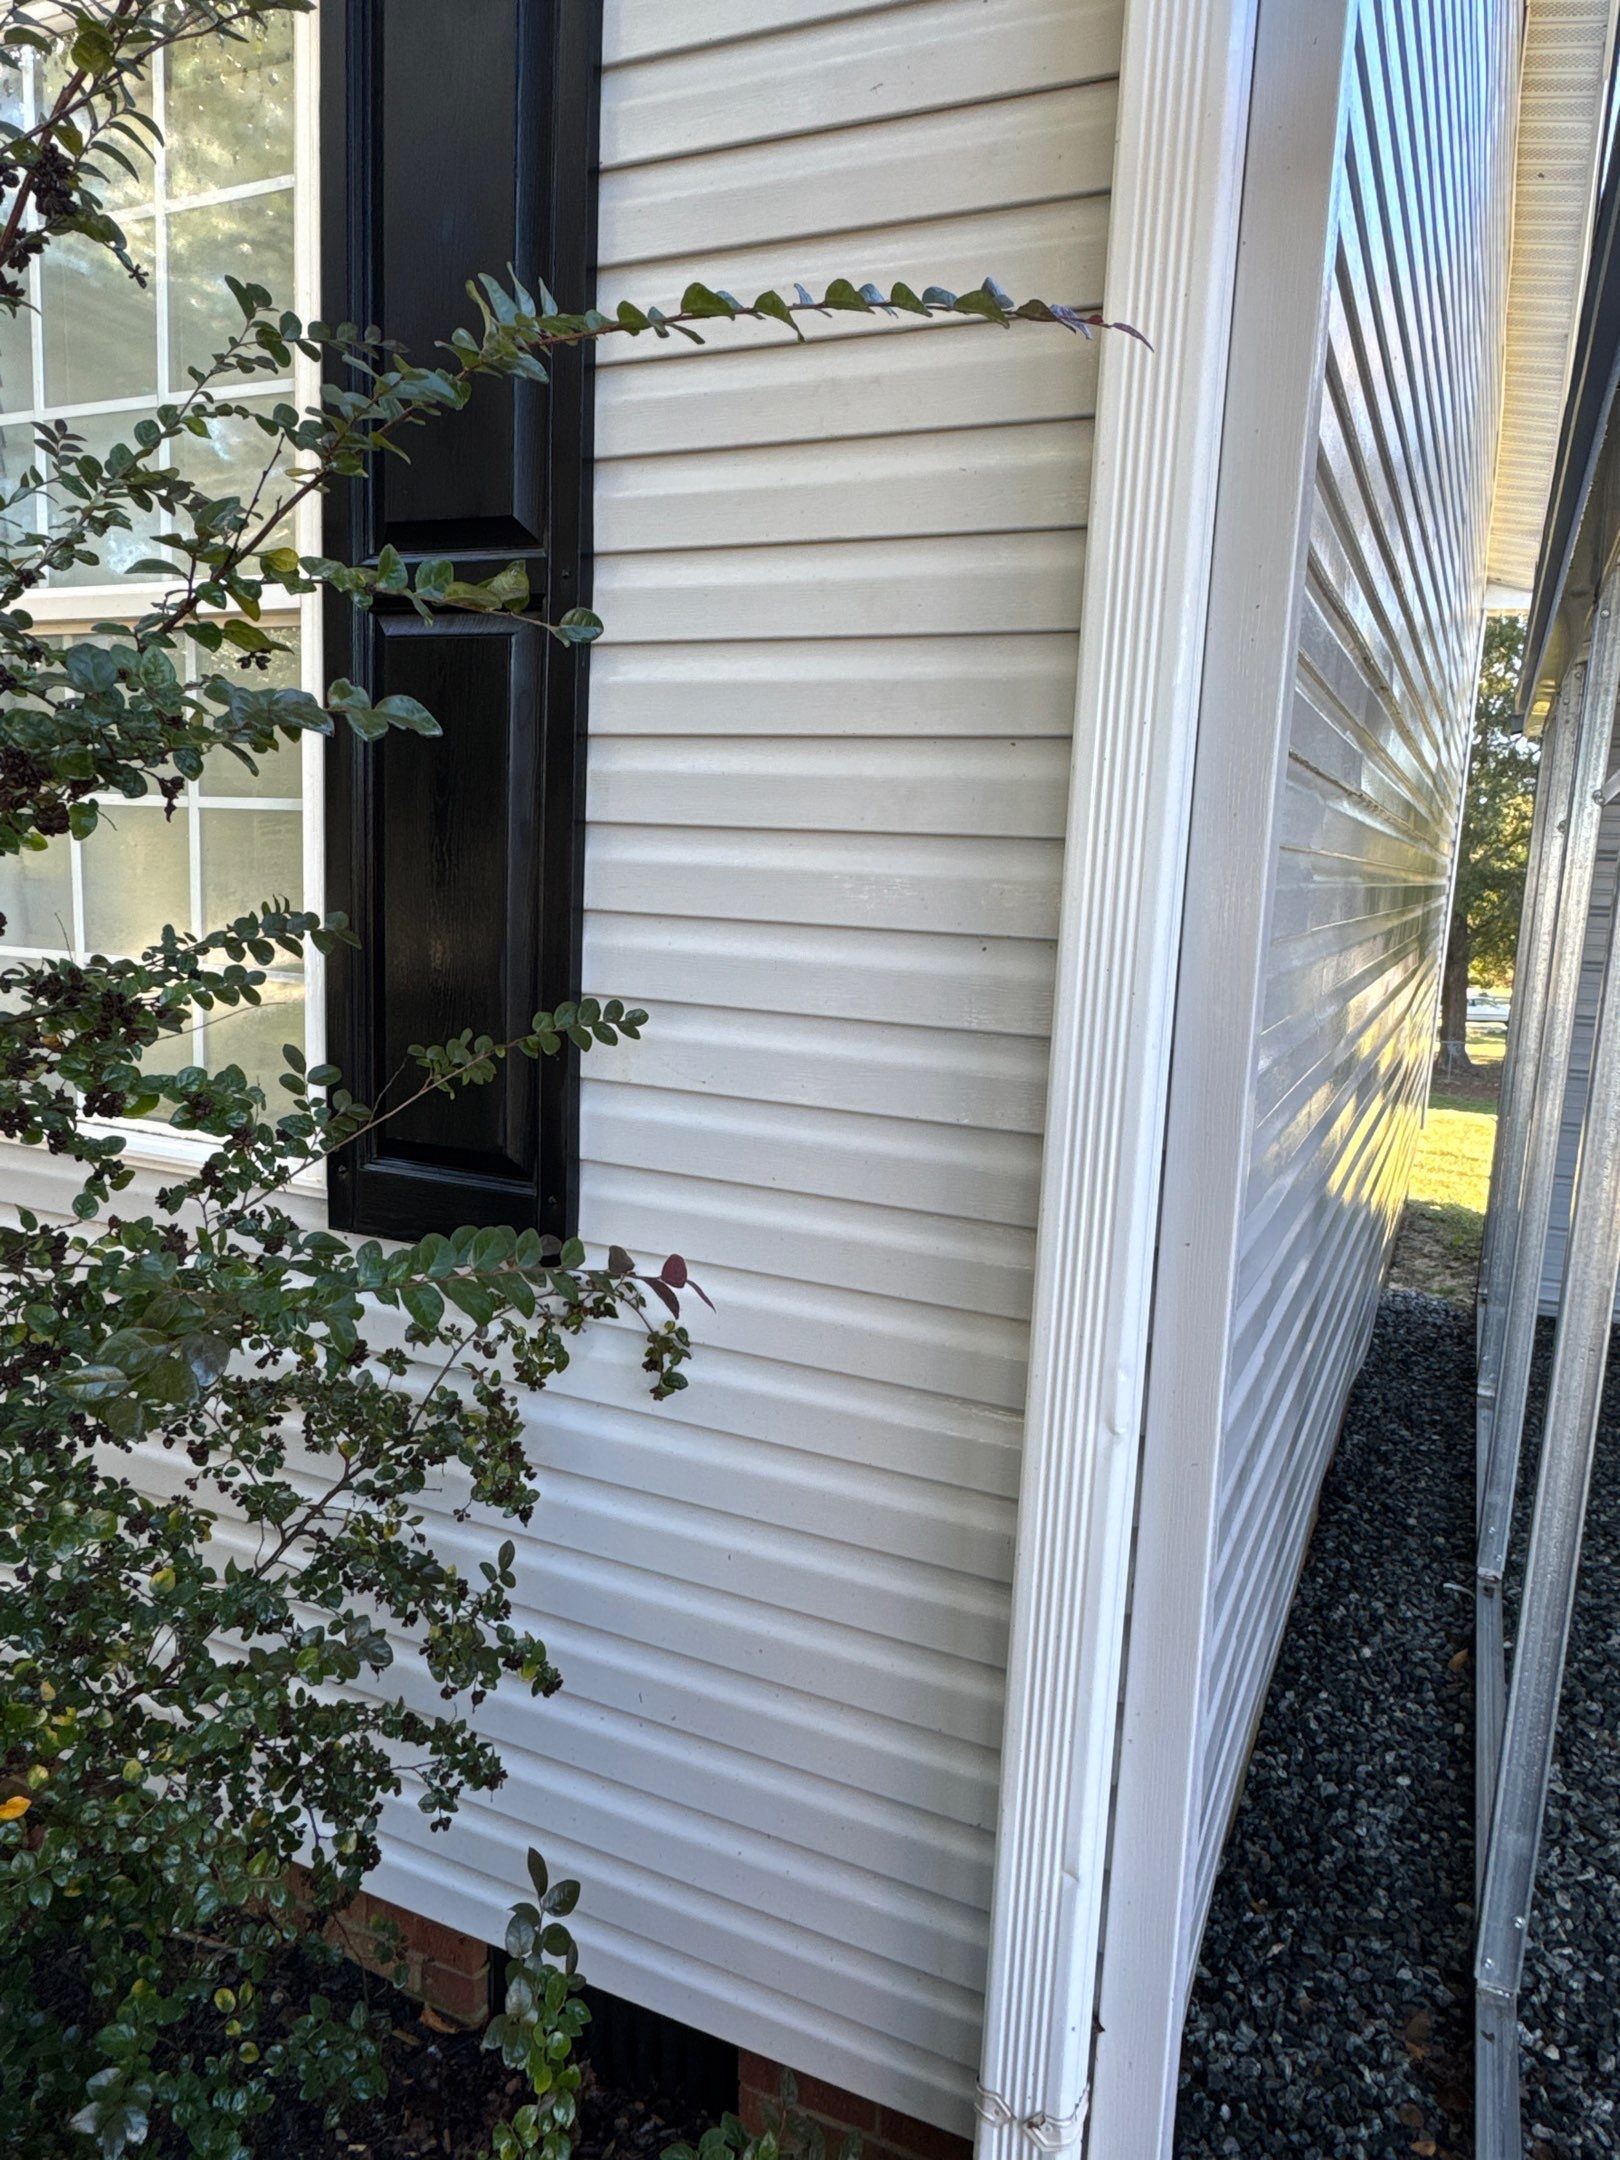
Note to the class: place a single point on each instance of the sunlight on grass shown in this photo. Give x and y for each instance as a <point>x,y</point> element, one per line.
<point>1438,1249</point>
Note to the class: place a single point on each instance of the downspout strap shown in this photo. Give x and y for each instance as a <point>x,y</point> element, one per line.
<point>1047,2133</point>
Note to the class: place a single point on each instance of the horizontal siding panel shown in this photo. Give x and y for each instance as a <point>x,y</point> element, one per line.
<point>967,480</point>
<point>980,789</point>
<point>901,1515</point>
<point>1001,986</point>
<point>946,1443</point>
<point>885,65</point>
<point>985,1177</point>
<point>897,1601</point>
<point>979,1357</point>
<point>837,1243</point>
<point>939,1859</point>
<point>988,1081</point>
<point>1054,247</point>
<point>956,585</point>
<point>647,29</point>
<point>895,382</point>
<point>1040,148</point>
<point>956,885</point>
<point>893,687</point>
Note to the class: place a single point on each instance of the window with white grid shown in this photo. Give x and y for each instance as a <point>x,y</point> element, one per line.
<point>225,195</point>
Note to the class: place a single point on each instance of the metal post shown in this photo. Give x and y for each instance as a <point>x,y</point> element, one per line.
<point>1527,1158</point>
<point>1524,1100</point>
<point>1504,1415</point>
<point>1530,972</point>
<point>1574,1400</point>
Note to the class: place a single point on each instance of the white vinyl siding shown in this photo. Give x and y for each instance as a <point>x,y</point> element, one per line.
<point>1376,755</point>
<point>829,741</point>
<point>829,746</point>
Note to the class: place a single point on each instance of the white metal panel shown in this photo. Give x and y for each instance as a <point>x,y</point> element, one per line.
<point>1376,754</point>
<point>1605,875</point>
<point>829,753</point>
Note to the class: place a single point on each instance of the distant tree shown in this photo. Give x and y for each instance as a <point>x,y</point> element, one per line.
<point>1495,842</point>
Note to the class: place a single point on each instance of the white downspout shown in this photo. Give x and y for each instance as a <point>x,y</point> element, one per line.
<point>1183,113</point>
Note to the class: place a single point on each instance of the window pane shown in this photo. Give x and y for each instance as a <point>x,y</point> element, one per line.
<point>230,459</point>
<point>250,239</point>
<point>252,1035</point>
<point>16,456</point>
<point>136,878</point>
<point>249,857</point>
<point>282,772</point>
<point>119,190</point>
<point>100,326</point>
<point>118,549</point>
<point>36,897</point>
<point>230,110</point>
<point>16,359</point>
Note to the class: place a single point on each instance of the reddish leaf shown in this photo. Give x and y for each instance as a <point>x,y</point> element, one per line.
<point>674,1272</point>
<point>663,1291</point>
<point>619,1261</point>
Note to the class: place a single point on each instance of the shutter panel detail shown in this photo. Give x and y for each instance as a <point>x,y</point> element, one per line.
<point>450,148</point>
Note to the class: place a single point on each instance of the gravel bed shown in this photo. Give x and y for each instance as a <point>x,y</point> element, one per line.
<point>1332,2010</point>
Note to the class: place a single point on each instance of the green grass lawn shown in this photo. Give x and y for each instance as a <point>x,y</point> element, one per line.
<point>1438,1246</point>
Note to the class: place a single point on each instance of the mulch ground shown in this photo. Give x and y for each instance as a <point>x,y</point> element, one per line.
<point>1332,2011</point>
<point>446,2094</point>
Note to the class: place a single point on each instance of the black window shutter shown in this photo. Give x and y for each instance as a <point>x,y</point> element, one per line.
<point>459,138</point>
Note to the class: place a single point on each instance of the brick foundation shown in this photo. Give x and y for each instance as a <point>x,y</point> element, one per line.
<point>885,2133</point>
<point>448,1972</point>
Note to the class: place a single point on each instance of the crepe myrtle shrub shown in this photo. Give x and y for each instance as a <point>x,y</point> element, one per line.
<point>226,1638</point>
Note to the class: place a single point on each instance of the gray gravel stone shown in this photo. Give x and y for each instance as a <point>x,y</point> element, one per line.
<point>1332,2010</point>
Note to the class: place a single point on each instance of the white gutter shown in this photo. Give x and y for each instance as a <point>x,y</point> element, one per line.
<point>1177,184</point>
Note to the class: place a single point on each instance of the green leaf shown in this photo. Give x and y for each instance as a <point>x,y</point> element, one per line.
<point>773,305</point>
<point>985,305</point>
<point>90,668</point>
<point>842,294</point>
<point>423,1302</point>
<point>700,300</point>
<point>405,712</point>
<point>472,1299</point>
<point>94,1383</point>
<point>578,627</point>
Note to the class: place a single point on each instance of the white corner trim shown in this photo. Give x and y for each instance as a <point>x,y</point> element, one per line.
<point>1286,251</point>
<point>1182,118</point>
